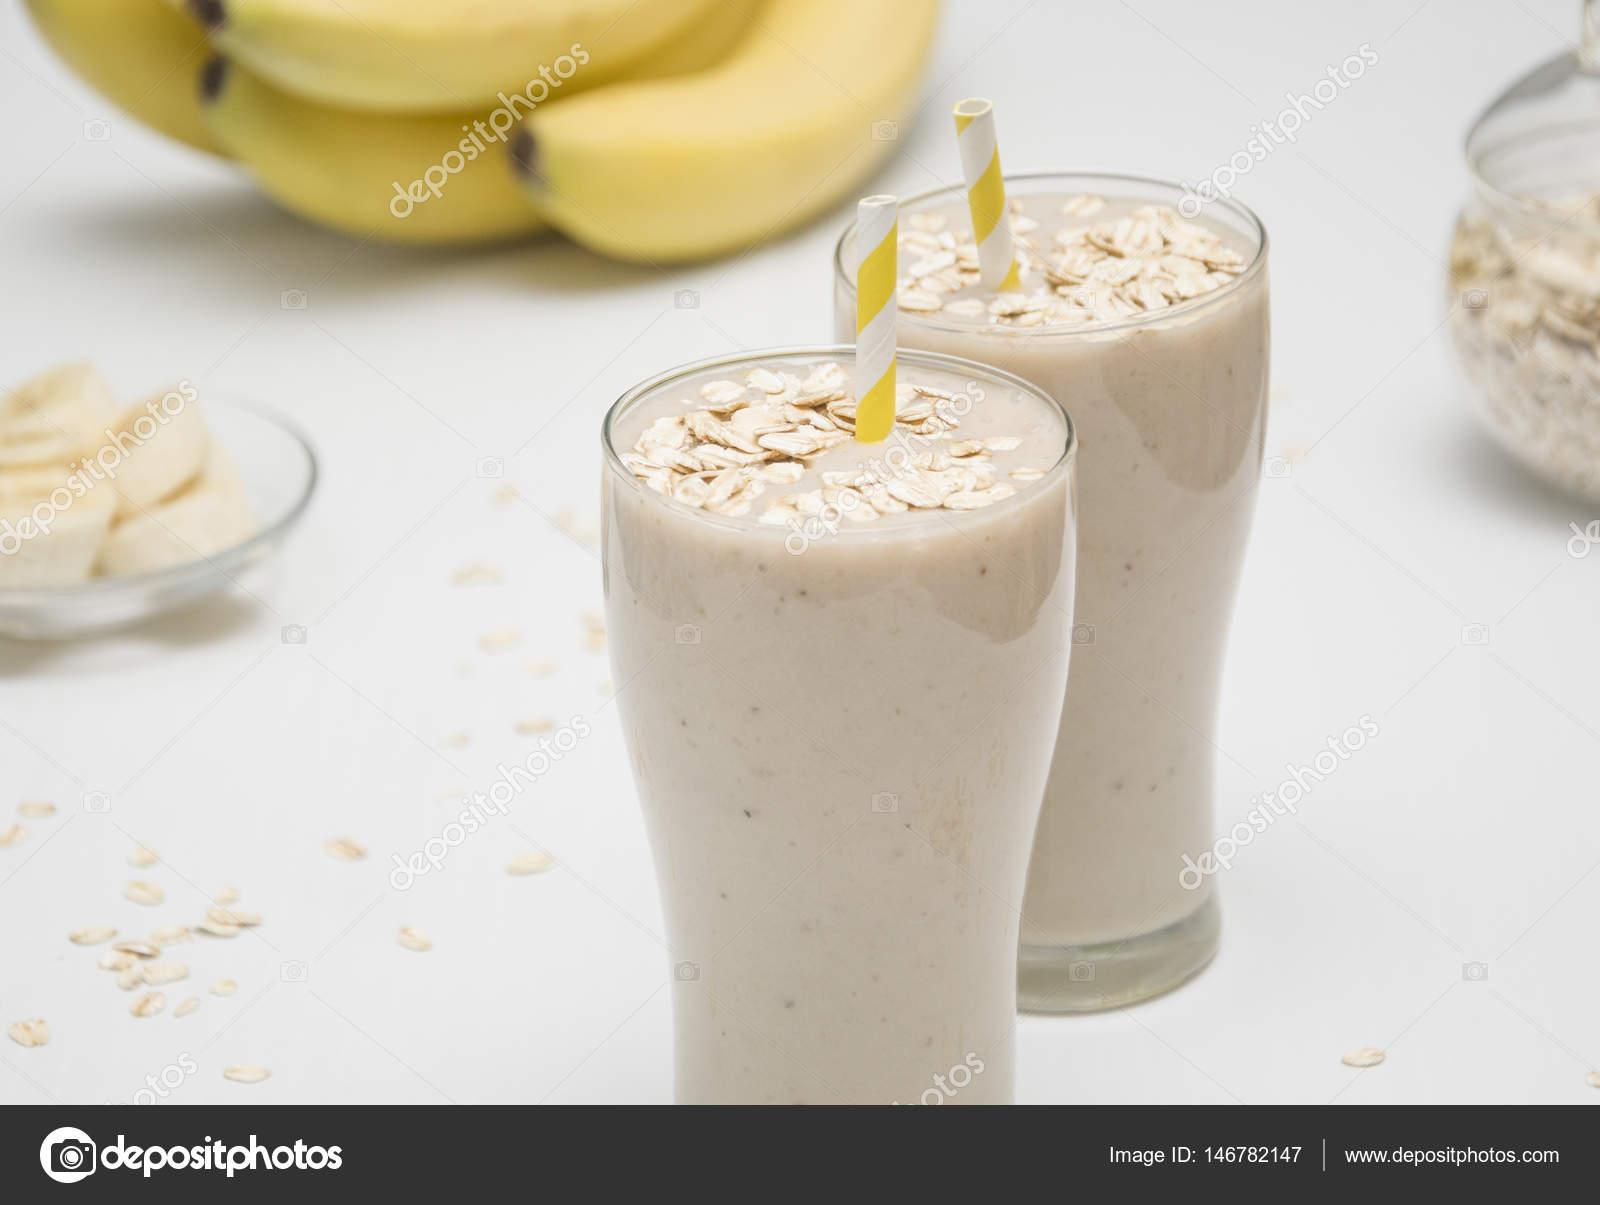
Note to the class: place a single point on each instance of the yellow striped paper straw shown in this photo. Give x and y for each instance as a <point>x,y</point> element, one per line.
<point>986,193</point>
<point>877,270</point>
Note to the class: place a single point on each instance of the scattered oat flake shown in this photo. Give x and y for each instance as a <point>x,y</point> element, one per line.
<point>346,849</point>
<point>130,977</point>
<point>1365,1056</point>
<point>497,639</point>
<point>217,929</point>
<point>148,1005</point>
<point>245,1073</point>
<point>186,1006</point>
<point>139,949</point>
<point>504,495</point>
<point>115,960</point>
<point>458,740</point>
<point>144,893</point>
<point>32,809</point>
<point>142,856</point>
<point>224,987</point>
<point>167,934</point>
<point>228,895</point>
<point>535,724</point>
<point>540,668</point>
<point>603,686</point>
<point>534,861</point>
<point>232,917</point>
<point>29,1033</point>
<point>12,836</point>
<point>157,973</point>
<point>415,939</point>
<point>93,935</point>
<point>476,573</point>
<point>1592,1079</point>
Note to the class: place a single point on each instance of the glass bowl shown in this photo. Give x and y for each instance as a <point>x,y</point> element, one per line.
<point>279,471</point>
<point>1524,279</point>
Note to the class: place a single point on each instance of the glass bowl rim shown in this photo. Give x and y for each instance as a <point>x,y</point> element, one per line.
<point>156,579</point>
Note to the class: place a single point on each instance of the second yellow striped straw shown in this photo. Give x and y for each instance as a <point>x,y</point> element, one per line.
<point>986,193</point>
<point>877,270</point>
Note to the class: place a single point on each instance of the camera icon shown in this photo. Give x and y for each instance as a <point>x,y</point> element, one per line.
<point>97,130</point>
<point>292,299</point>
<point>67,1155</point>
<point>292,633</point>
<point>686,633</point>
<point>1277,466</point>
<point>97,802</point>
<point>686,972</point>
<point>885,801</point>
<point>294,971</point>
<point>686,299</point>
<point>1475,972</point>
<point>1080,972</point>
<point>1083,633</point>
<point>1475,299</point>
<point>491,466</point>
<point>1475,633</point>
<point>885,131</point>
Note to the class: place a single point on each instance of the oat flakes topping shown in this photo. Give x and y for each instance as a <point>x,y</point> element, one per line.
<point>1088,271</point>
<point>735,442</point>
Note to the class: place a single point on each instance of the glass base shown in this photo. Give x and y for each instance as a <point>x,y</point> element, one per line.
<point>1082,979</point>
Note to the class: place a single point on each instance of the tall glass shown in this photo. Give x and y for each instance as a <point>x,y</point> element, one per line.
<point>1170,407</point>
<point>840,733</point>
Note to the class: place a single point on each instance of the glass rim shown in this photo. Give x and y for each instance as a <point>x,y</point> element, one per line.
<point>1084,330</point>
<point>1473,154</point>
<point>838,351</point>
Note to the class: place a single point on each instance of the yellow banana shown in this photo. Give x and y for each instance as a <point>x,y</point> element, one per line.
<point>139,54</point>
<point>795,118</point>
<point>435,178</point>
<point>416,56</point>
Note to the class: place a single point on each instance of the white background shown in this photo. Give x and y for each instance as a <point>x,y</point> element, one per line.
<point>1467,831</point>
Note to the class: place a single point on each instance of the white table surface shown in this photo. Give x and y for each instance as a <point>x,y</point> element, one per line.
<point>1466,832</point>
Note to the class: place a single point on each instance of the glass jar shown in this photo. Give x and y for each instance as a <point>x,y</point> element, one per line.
<point>1524,278</point>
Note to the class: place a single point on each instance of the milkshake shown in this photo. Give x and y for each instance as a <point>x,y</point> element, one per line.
<point>840,668</point>
<point>1152,329</point>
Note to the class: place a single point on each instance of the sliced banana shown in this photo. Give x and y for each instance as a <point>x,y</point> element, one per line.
<point>52,524</point>
<point>55,417</point>
<point>155,449</point>
<point>208,515</point>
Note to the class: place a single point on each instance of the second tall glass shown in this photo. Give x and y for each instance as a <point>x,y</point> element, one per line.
<point>1169,395</point>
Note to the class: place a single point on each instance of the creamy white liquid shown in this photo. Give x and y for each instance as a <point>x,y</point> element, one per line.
<point>840,756</point>
<point>1170,415</point>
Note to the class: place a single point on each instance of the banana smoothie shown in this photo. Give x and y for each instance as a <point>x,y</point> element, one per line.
<point>1152,329</point>
<point>840,668</point>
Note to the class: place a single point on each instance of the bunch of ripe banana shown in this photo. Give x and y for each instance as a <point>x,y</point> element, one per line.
<point>646,129</point>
